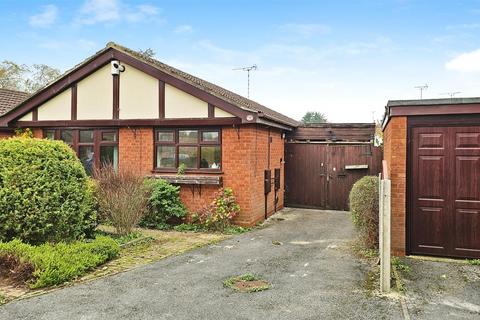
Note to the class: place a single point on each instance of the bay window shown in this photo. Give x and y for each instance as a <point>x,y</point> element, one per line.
<point>92,146</point>
<point>196,149</point>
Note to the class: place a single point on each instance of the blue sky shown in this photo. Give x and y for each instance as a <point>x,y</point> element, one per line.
<point>343,58</point>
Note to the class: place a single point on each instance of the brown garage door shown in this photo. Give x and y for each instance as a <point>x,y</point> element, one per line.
<point>322,175</point>
<point>445,195</point>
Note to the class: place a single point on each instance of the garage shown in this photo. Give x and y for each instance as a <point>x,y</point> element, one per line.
<point>432,149</point>
<point>323,161</point>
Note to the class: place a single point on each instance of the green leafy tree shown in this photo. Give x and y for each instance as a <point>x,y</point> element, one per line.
<point>314,117</point>
<point>147,53</point>
<point>12,75</point>
<point>26,78</point>
<point>39,76</point>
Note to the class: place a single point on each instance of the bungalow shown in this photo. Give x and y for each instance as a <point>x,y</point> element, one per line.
<point>137,113</point>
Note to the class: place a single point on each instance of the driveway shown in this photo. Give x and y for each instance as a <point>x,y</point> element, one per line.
<point>442,288</point>
<point>304,254</point>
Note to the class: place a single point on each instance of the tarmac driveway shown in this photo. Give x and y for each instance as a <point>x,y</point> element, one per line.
<point>305,257</point>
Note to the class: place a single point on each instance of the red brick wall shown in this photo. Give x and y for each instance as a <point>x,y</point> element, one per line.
<point>244,159</point>
<point>37,133</point>
<point>5,134</point>
<point>395,153</point>
<point>135,149</point>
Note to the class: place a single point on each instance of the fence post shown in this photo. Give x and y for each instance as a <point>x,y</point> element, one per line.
<point>384,229</point>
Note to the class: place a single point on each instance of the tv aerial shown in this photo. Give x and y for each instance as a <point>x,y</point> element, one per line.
<point>451,94</point>
<point>422,88</point>
<point>247,69</point>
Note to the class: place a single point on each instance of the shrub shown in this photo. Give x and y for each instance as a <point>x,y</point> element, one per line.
<point>57,263</point>
<point>164,205</point>
<point>122,197</point>
<point>218,215</point>
<point>45,195</point>
<point>364,208</point>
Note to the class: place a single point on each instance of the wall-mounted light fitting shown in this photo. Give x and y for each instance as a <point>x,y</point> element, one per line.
<point>116,67</point>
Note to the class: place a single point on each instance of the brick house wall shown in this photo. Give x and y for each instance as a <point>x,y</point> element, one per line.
<point>395,153</point>
<point>244,159</point>
<point>135,149</point>
<point>5,134</point>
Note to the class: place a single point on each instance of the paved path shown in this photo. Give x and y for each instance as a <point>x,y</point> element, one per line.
<point>312,274</point>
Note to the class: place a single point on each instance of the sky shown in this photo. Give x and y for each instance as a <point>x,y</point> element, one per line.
<point>345,59</point>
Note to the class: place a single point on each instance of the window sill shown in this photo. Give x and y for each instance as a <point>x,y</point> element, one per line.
<point>189,171</point>
<point>191,179</point>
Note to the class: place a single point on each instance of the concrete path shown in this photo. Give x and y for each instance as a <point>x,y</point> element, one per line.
<point>312,273</point>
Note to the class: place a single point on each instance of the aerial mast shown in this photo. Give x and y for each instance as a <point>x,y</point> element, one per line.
<point>247,69</point>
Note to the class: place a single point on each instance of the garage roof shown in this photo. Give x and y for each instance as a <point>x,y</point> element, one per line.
<point>431,107</point>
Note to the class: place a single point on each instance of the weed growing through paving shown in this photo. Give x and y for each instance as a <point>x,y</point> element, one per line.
<point>185,227</point>
<point>246,283</point>
<point>3,299</point>
<point>474,262</point>
<point>400,265</point>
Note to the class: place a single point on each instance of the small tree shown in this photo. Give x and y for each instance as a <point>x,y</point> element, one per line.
<point>122,197</point>
<point>314,117</point>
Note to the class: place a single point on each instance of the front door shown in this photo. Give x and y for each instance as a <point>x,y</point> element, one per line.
<point>444,209</point>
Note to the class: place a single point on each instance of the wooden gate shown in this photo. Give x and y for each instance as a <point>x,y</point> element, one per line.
<point>323,161</point>
<point>322,175</point>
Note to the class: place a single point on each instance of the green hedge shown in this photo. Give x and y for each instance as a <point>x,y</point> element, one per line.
<point>45,194</point>
<point>364,208</point>
<point>58,263</point>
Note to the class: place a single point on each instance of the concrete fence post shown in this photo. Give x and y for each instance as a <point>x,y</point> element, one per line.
<point>384,231</point>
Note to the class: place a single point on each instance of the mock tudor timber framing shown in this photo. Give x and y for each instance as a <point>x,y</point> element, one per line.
<point>69,82</point>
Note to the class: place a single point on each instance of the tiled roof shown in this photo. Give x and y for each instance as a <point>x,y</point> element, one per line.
<point>209,87</point>
<point>219,92</point>
<point>9,99</point>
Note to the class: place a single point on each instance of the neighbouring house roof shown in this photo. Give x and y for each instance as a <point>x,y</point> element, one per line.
<point>9,99</point>
<point>230,97</point>
<point>430,107</point>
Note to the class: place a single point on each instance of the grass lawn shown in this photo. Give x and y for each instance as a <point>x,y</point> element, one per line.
<point>145,246</point>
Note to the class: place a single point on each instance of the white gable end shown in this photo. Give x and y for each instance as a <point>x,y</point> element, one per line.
<point>95,95</point>
<point>179,104</point>
<point>57,108</point>
<point>138,95</point>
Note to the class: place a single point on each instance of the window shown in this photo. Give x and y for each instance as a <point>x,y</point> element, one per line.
<point>194,148</point>
<point>93,146</point>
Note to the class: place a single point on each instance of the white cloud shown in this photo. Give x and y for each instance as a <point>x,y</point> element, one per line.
<point>305,29</point>
<point>45,18</point>
<point>468,26</point>
<point>183,29</point>
<point>83,44</point>
<point>465,62</point>
<point>141,13</point>
<point>110,11</point>
<point>94,11</point>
